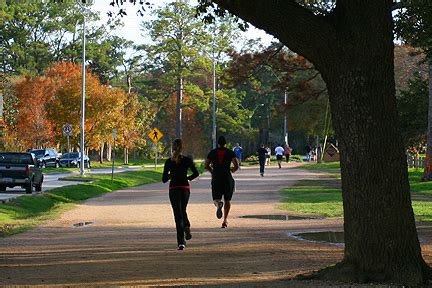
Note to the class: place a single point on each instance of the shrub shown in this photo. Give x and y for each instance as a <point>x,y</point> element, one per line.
<point>296,157</point>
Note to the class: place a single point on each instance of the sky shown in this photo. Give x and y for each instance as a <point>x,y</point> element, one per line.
<point>131,29</point>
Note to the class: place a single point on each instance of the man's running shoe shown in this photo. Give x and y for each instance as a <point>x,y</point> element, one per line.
<point>188,234</point>
<point>219,210</point>
<point>181,247</point>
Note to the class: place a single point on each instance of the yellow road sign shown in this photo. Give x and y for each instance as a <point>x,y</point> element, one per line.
<point>155,135</point>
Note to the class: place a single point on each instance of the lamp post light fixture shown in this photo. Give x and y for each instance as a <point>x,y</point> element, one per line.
<point>83,4</point>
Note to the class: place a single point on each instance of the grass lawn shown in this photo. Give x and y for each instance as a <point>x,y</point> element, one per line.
<point>95,164</point>
<point>120,162</point>
<point>30,210</point>
<point>51,170</point>
<point>324,198</point>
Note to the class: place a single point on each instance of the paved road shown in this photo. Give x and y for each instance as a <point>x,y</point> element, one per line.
<point>51,181</point>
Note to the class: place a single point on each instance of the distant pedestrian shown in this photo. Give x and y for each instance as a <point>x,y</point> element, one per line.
<point>279,151</point>
<point>176,169</point>
<point>268,155</point>
<point>287,152</point>
<point>262,156</point>
<point>315,154</point>
<point>238,152</point>
<point>218,163</point>
<point>308,152</point>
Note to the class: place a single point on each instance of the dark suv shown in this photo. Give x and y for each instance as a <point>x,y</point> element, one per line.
<point>46,157</point>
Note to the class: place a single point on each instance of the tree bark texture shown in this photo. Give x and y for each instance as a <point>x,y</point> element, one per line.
<point>126,155</point>
<point>101,152</point>
<point>109,152</point>
<point>353,50</point>
<point>427,175</point>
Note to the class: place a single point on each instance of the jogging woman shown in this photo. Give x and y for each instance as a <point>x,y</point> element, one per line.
<point>176,169</point>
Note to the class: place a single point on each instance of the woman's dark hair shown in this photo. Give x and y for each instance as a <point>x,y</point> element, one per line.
<point>177,147</point>
<point>221,141</point>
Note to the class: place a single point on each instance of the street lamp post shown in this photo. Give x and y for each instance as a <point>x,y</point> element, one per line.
<point>285,113</point>
<point>214,104</point>
<point>81,3</point>
<point>285,118</point>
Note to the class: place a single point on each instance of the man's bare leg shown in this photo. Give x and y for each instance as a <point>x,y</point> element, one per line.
<point>226,212</point>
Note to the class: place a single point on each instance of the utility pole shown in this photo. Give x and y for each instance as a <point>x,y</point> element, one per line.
<point>81,3</point>
<point>285,118</point>
<point>214,104</point>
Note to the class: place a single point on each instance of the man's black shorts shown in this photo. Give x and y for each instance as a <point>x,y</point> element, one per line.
<point>279,157</point>
<point>223,187</point>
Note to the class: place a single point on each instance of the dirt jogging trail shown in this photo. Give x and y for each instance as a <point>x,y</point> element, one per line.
<point>131,240</point>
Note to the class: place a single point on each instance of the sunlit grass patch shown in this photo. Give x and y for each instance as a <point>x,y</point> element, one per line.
<point>312,200</point>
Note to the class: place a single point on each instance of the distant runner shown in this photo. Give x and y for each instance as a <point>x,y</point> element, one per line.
<point>268,156</point>
<point>176,169</point>
<point>218,163</point>
<point>279,151</point>
<point>238,152</point>
<point>262,156</point>
<point>288,152</point>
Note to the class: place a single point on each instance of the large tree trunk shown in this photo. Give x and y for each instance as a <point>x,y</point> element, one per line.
<point>381,242</point>
<point>427,175</point>
<point>353,50</point>
<point>380,235</point>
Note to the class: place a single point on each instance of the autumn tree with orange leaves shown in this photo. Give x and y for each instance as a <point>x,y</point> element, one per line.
<point>33,123</point>
<point>48,102</point>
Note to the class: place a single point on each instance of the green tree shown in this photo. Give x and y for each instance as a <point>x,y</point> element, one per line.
<point>266,77</point>
<point>177,36</point>
<point>35,34</point>
<point>413,111</point>
<point>414,25</point>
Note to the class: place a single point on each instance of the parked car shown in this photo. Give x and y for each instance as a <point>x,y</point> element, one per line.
<point>20,169</point>
<point>73,159</point>
<point>47,157</point>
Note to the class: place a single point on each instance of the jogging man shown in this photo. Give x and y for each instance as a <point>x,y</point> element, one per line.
<point>237,151</point>
<point>262,156</point>
<point>218,163</point>
<point>279,151</point>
